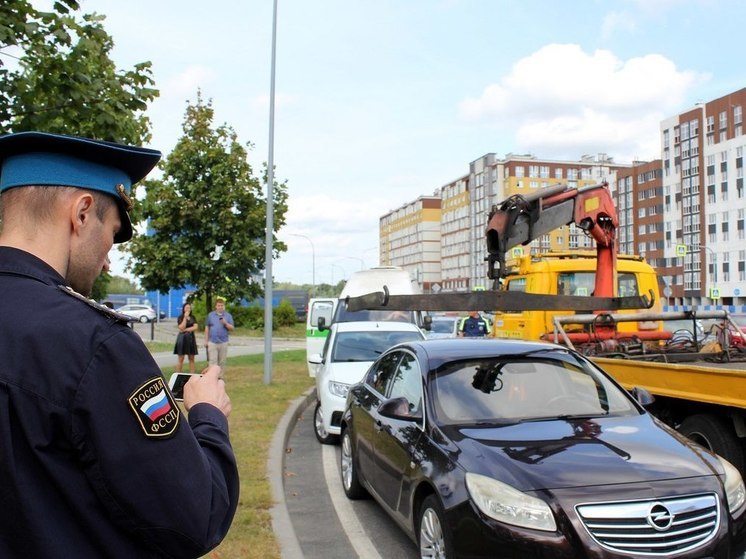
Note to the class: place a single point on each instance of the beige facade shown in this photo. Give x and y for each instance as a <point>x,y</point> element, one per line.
<point>410,238</point>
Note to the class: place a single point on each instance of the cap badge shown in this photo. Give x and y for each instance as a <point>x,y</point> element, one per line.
<point>123,195</point>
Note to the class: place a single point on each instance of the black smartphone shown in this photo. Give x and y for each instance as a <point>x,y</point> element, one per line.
<point>177,382</point>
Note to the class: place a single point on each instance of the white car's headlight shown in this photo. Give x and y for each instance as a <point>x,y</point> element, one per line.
<point>339,388</point>
<point>506,504</point>
<point>735,492</point>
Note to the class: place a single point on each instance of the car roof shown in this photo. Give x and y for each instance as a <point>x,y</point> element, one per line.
<point>373,326</point>
<point>442,350</point>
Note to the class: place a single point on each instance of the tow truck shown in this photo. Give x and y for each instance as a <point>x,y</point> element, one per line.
<point>698,382</point>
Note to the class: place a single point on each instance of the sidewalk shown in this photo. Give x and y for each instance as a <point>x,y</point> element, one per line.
<point>165,331</point>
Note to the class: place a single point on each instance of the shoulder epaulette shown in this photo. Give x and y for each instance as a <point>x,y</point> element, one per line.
<point>111,313</point>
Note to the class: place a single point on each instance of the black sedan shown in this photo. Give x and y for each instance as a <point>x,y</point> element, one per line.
<point>502,448</point>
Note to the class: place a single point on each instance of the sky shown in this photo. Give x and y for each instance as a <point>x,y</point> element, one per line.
<point>378,102</point>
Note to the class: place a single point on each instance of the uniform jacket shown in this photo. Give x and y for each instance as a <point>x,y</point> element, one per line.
<point>96,459</point>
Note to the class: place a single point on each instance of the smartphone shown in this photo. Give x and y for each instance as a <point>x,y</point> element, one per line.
<point>176,384</point>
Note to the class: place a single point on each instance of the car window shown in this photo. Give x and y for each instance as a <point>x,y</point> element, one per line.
<point>380,373</point>
<point>368,346</point>
<point>406,382</point>
<point>443,326</point>
<point>489,390</point>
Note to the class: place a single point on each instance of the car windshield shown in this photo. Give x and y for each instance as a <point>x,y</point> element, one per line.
<point>502,391</point>
<point>442,326</point>
<point>368,346</point>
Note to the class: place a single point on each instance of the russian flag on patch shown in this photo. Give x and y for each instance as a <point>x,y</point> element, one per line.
<point>156,406</point>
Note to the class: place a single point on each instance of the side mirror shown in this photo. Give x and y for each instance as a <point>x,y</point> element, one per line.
<point>322,324</point>
<point>427,322</point>
<point>399,408</point>
<point>315,359</point>
<point>643,396</point>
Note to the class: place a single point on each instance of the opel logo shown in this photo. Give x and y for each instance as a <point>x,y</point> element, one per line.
<point>660,518</point>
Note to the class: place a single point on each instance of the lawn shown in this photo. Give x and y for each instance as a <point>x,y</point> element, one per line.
<point>257,409</point>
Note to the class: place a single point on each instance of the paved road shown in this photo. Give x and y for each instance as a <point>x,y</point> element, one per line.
<point>327,524</point>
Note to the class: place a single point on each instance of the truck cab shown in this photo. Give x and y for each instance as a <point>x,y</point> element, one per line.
<point>570,273</point>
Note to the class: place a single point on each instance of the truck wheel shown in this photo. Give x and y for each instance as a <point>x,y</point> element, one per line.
<point>716,435</point>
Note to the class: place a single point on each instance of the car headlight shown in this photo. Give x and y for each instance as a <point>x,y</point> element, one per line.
<point>506,504</point>
<point>339,388</point>
<point>735,492</point>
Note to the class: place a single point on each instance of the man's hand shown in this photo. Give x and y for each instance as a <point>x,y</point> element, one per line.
<point>209,389</point>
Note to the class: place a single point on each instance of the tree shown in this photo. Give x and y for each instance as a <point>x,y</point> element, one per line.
<point>64,80</point>
<point>207,216</point>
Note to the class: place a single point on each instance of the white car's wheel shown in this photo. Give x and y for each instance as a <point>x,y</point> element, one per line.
<point>322,435</point>
<point>143,319</point>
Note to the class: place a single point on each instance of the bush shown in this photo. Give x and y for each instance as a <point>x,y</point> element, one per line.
<point>284,314</point>
<point>242,316</point>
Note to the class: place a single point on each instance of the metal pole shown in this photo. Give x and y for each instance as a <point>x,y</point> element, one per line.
<point>269,241</point>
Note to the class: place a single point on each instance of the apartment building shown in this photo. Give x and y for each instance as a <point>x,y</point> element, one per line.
<point>704,204</point>
<point>410,237</point>
<point>465,205</point>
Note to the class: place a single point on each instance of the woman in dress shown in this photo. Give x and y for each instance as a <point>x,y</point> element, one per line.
<point>186,343</point>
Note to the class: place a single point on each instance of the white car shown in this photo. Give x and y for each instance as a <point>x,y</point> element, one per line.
<point>142,313</point>
<point>443,326</point>
<point>350,349</point>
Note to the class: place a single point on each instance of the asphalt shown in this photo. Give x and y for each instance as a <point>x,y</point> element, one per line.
<point>282,525</point>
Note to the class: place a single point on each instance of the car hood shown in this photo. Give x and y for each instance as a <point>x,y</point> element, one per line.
<point>561,454</point>
<point>346,372</point>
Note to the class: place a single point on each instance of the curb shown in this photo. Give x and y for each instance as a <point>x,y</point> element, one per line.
<point>281,523</point>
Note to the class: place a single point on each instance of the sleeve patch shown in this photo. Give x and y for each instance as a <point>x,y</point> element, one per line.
<point>155,408</point>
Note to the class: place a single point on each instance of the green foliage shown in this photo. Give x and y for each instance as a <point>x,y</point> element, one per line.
<point>65,81</point>
<point>245,316</point>
<point>284,314</point>
<point>207,216</point>
<point>100,288</point>
<point>118,284</point>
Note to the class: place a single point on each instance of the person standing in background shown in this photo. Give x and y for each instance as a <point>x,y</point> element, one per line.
<point>217,328</point>
<point>186,342</point>
<point>474,326</point>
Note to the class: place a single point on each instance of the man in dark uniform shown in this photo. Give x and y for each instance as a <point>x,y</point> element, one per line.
<point>474,326</point>
<point>96,458</point>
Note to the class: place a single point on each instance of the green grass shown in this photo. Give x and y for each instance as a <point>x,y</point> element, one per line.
<point>297,330</point>
<point>257,410</point>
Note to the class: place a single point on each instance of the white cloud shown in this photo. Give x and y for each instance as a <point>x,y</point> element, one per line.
<point>614,21</point>
<point>563,101</point>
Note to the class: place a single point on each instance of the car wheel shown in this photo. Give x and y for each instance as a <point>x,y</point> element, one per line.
<point>318,427</point>
<point>714,434</point>
<point>433,533</point>
<point>143,319</point>
<point>350,480</point>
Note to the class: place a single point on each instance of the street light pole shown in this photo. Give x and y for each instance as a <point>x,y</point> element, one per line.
<point>270,212</point>
<point>313,262</point>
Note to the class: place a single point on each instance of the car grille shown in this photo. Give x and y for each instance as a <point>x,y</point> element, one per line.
<point>656,527</point>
